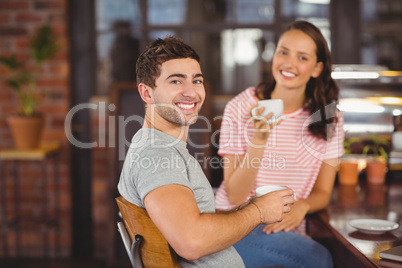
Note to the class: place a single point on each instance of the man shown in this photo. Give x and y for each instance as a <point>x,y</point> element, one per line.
<point>160,175</point>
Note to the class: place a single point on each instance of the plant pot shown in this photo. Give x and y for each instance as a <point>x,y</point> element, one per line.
<point>376,172</point>
<point>26,131</point>
<point>348,173</point>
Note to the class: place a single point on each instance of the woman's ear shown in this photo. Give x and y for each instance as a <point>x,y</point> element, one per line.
<point>145,93</point>
<point>318,69</point>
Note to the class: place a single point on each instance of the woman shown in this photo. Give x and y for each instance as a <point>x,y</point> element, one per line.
<point>301,151</point>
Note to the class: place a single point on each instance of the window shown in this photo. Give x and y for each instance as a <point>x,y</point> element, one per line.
<point>234,38</point>
<point>381,33</point>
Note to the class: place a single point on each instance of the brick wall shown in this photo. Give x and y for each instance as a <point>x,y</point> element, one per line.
<point>18,21</point>
<point>104,208</point>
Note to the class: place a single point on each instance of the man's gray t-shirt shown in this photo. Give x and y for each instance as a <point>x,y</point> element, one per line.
<point>155,159</point>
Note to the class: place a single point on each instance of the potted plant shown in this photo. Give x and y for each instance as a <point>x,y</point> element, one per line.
<point>348,173</point>
<point>26,126</point>
<point>376,169</point>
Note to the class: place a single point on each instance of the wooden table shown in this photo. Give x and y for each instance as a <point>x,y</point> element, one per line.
<point>16,157</point>
<point>350,247</point>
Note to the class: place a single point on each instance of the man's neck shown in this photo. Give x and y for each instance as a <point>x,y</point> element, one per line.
<point>177,131</point>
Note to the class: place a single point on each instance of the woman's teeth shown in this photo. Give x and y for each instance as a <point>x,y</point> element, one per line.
<point>288,74</point>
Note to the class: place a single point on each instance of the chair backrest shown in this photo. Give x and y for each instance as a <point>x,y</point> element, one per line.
<point>155,250</point>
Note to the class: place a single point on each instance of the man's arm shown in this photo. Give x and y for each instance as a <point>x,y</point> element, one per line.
<point>192,234</point>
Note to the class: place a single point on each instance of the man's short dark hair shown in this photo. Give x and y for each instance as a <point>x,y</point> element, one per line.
<point>158,52</point>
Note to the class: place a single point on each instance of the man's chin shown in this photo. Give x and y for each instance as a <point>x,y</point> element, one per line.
<point>188,123</point>
<point>191,123</point>
<point>184,123</point>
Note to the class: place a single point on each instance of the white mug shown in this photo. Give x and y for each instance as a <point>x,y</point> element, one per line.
<point>397,141</point>
<point>269,188</point>
<point>272,105</point>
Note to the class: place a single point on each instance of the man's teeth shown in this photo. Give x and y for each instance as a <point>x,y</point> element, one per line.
<point>186,106</point>
<point>288,74</point>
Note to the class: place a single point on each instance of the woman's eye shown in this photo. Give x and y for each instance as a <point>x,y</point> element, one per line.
<point>282,53</point>
<point>303,58</point>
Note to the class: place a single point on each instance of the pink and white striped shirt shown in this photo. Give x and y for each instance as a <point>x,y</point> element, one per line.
<point>292,155</point>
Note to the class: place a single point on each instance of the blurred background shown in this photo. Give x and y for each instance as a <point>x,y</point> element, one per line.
<point>91,98</point>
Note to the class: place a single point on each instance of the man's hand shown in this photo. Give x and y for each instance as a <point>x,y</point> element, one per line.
<point>290,220</point>
<point>273,205</point>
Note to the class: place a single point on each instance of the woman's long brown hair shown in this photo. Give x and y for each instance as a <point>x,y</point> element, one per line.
<point>322,92</point>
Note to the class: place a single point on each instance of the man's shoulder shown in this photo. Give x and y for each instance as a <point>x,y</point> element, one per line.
<point>147,138</point>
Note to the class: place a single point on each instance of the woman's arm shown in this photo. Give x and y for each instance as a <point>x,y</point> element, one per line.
<point>240,171</point>
<point>239,174</point>
<point>317,200</point>
<point>321,194</point>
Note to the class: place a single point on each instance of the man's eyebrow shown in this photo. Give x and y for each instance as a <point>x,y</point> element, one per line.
<point>176,75</point>
<point>184,76</point>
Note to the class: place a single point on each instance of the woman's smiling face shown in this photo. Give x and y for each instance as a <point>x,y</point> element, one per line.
<point>295,60</point>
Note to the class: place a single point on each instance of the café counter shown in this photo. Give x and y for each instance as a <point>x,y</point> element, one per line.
<point>349,246</point>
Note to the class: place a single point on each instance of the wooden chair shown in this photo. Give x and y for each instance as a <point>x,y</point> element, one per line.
<point>150,248</point>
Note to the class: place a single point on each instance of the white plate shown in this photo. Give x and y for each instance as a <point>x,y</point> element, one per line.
<point>374,226</point>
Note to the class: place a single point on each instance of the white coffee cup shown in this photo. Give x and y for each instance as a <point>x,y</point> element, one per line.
<point>272,105</point>
<point>269,188</point>
<point>397,141</point>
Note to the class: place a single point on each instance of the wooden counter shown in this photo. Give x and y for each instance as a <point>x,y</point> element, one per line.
<point>350,247</point>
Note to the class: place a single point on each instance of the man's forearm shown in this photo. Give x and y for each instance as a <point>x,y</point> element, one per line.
<point>211,233</point>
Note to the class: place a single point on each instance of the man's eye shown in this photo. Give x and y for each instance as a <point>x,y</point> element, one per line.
<point>198,82</point>
<point>176,82</point>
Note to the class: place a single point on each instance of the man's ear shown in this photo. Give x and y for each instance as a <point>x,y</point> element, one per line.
<point>145,93</point>
<point>318,69</point>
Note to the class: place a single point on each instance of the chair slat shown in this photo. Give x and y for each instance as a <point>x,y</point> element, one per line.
<point>155,250</point>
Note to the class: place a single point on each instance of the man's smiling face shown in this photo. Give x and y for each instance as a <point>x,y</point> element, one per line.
<point>179,92</point>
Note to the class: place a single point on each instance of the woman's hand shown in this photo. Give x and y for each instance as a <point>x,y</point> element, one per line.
<point>261,126</point>
<point>290,220</point>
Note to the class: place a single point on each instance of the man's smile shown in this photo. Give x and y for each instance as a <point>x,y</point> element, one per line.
<point>186,105</point>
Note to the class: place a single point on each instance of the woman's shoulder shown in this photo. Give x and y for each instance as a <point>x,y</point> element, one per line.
<point>247,96</point>
<point>242,102</point>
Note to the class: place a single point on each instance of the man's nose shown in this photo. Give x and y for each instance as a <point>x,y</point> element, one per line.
<point>189,90</point>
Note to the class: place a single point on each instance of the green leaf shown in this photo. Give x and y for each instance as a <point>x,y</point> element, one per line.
<point>43,44</point>
<point>14,83</point>
<point>383,153</point>
<point>10,62</point>
<point>23,80</point>
<point>366,149</point>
